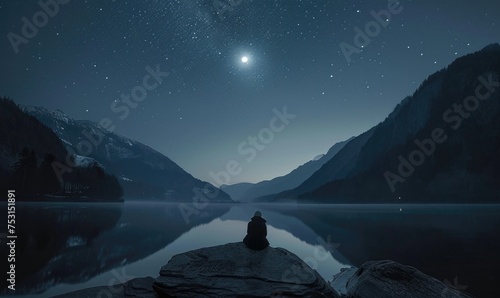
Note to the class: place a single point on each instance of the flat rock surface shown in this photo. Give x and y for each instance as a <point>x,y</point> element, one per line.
<point>388,279</point>
<point>233,270</point>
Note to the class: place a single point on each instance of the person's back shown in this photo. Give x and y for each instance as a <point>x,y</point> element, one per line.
<point>256,233</point>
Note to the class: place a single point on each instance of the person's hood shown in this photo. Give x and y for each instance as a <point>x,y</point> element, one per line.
<point>258,218</point>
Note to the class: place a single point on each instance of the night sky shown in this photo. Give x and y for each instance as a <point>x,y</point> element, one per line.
<point>230,66</point>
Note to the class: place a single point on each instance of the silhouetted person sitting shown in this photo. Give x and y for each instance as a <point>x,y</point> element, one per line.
<point>256,233</point>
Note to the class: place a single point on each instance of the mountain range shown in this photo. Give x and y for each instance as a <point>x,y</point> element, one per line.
<point>142,172</point>
<point>32,161</point>
<point>441,144</point>
<point>247,192</point>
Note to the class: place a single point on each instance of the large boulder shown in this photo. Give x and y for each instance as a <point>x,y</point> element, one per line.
<point>233,270</point>
<point>388,279</point>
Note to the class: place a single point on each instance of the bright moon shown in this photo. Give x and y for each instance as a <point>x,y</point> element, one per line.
<point>244,59</point>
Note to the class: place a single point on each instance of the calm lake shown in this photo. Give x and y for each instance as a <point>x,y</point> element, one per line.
<point>63,247</point>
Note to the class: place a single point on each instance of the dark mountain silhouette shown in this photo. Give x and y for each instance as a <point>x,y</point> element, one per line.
<point>31,156</point>
<point>337,167</point>
<point>236,191</point>
<point>143,172</point>
<point>441,144</point>
<point>288,181</point>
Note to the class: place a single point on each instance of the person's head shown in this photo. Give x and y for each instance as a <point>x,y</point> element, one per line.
<point>257,213</point>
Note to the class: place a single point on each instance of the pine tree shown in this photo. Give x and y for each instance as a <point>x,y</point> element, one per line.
<point>49,184</point>
<point>24,171</point>
<point>20,168</point>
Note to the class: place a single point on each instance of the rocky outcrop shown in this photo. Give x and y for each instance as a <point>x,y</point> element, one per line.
<point>233,270</point>
<point>388,279</point>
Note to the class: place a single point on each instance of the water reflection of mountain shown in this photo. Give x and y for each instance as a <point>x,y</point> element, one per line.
<point>446,242</point>
<point>54,241</point>
<point>290,218</point>
<point>73,243</point>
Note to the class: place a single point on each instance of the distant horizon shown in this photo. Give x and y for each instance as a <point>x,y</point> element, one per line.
<point>33,106</point>
<point>286,171</point>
